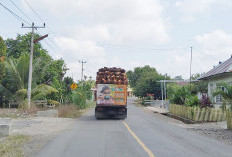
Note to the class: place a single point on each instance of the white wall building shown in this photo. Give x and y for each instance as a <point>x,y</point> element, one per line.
<point>219,74</point>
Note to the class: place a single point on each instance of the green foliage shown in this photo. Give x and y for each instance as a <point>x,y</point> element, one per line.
<point>67,91</point>
<point>138,73</point>
<point>192,100</point>
<point>144,81</point>
<point>178,77</point>
<point>198,86</point>
<point>13,145</point>
<point>46,71</point>
<point>3,47</point>
<point>2,54</point>
<point>14,80</point>
<point>79,98</point>
<point>21,94</point>
<point>177,94</point>
<point>22,44</point>
<point>225,92</point>
<point>40,92</point>
<point>53,102</point>
<point>83,93</point>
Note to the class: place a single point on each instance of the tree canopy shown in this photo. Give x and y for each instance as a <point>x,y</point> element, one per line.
<point>3,49</point>
<point>47,75</point>
<point>144,80</point>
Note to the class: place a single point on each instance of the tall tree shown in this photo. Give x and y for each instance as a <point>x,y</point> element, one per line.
<point>144,80</point>
<point>138,73</point>
<point>14,84</point>
<point>178,77</point>
<point>22,45</point>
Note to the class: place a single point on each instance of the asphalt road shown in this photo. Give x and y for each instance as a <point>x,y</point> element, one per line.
<point>141,134</point>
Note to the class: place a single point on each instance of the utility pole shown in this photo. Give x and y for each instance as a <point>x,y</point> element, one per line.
<point>162,93</point>
<point>191,66</point>
<point>31,60</point>
<point>82,69</point>
<point>165,93</point>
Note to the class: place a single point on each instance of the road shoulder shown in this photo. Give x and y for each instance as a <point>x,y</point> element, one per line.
<point>213,130</point>
<point>41,130</point>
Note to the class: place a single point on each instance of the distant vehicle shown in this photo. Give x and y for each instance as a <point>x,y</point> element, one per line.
<point>111,93</point>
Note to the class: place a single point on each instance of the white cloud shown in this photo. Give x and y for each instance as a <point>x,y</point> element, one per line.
<point>94,33</point>
<point>215,39</point>
<point>83,23</point>
<point>191,8</point>
<point>117,21</point>
<point>78,48</point>
<point>209,50</point>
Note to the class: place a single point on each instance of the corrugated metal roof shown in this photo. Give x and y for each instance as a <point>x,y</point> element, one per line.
<point>221,68</point>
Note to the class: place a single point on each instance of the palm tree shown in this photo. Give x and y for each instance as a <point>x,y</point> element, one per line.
<point>17,75</point>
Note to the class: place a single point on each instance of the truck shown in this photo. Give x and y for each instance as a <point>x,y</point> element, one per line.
<point>111,101</point>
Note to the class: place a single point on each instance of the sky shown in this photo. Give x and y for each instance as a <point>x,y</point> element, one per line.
<point>127,33</point>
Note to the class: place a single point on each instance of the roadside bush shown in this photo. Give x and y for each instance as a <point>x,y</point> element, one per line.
<point>68,111</point>
<point>53,102</point>
<point>225,92</point>
<point>178,94</point>
<point>205,101</point>
<point>192,100</point>
<point>146,98</point>
<point>79,98</point>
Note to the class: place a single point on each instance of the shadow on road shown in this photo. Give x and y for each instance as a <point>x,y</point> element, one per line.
<point>91,117</point>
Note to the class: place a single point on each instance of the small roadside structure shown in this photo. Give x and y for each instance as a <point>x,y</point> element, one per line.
<point>129,91</point>
<point>222,73</point>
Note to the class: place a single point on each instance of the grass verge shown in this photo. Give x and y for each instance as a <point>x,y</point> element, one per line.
<point>13,146</point>
<point>68,111</point>
<point>72,111</point>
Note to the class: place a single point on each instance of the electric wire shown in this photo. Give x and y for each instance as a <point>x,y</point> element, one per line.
<point>14,14</point>
<point>21,11</point>
<point>49,45</point>
<point>31,21</point>
<point>37,14</point>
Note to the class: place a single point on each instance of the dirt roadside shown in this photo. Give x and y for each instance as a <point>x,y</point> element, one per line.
<point>38,130</point>
<point>41,130</point>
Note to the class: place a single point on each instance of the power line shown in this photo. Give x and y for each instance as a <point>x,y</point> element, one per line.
<point>21,10</point>
<point>34,11</point>
<point>49,45</point>
<point>140,48</point>
<point>14,14</point>
<point>37,14</point>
